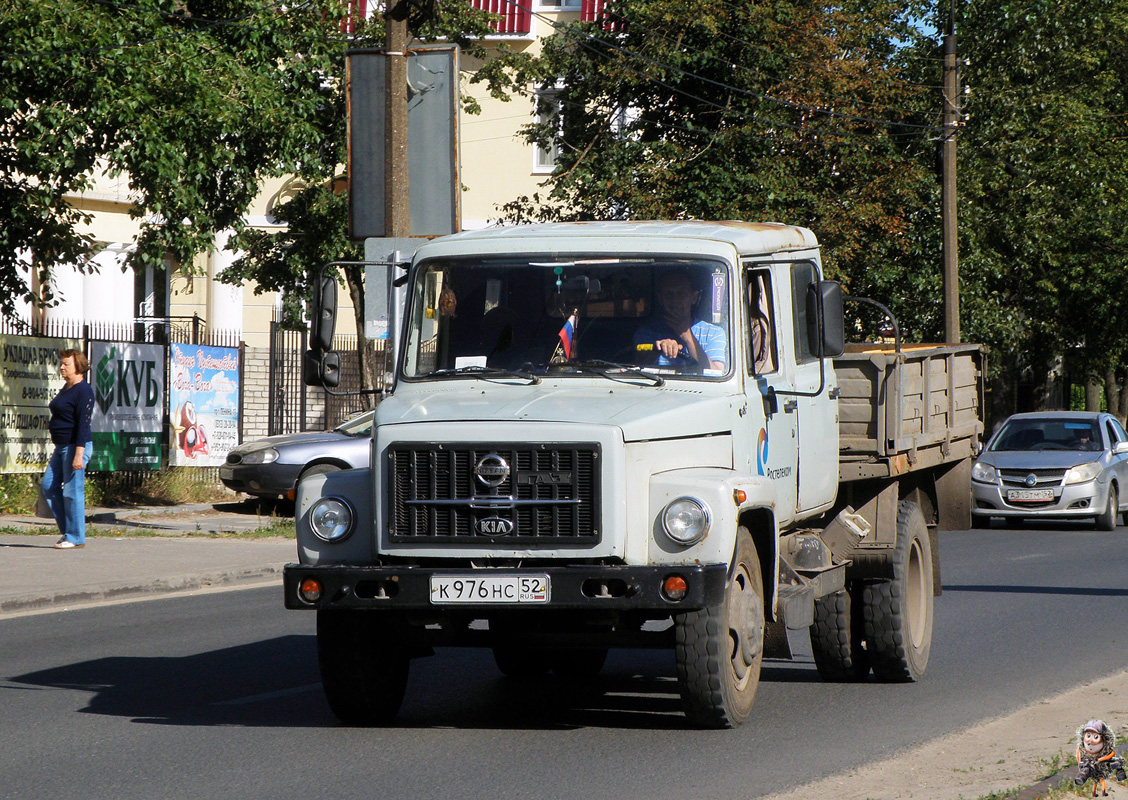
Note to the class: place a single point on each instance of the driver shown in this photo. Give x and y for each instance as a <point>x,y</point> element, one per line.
<point>678,338</point>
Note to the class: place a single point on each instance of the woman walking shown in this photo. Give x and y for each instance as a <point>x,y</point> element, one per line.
<point>64,482</point>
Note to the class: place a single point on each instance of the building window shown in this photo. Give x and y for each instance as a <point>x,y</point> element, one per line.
<point>514,18</point>
<point>560,5</point>
<point>547,110</point>
<point>596,11</point>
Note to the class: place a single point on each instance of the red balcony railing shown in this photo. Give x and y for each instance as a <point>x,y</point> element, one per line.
<point>514,14</point>
<point>355,11</point>
<point>596,11</point>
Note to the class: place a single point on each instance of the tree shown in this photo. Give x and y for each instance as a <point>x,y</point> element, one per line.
<point>195,103</point>
<point>1045,189</point>
<point>791,110</point>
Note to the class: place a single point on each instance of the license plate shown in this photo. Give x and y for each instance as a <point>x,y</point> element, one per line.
<point>1030,494</point>
<point>508,589</point>
<point>226,472</point>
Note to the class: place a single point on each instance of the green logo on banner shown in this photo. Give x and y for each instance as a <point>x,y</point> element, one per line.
<point>104,380</point>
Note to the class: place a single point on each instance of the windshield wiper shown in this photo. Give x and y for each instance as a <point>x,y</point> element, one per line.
<point>485,373</point>
<point>611,370</point>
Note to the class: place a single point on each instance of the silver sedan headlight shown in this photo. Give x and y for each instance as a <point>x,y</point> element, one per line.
<point>983,473</point>
<point>331,519</point>
<point>1084,473</point>
<point>686,520</point>
<point>267,455</point>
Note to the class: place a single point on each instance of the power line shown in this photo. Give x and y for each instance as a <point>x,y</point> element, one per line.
<point>568,31</point>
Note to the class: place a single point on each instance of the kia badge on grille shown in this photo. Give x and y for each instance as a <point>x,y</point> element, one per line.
<point>494,526</point>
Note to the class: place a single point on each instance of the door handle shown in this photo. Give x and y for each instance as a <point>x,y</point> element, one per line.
<point>790,406</point>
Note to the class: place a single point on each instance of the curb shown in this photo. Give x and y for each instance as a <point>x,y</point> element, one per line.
<point>48,600</point>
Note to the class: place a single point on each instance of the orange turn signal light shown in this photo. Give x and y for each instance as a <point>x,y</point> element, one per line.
<point>739,496</point>
<point>674,587</point>
<point>310,590</point>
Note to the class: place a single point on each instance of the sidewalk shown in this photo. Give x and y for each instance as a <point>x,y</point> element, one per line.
<point>33,575</point>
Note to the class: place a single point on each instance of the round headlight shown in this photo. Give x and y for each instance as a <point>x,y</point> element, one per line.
<point>331,519</point>
<point>686,520</point>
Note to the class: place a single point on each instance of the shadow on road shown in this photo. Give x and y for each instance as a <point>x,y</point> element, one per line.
<point>275,683</point>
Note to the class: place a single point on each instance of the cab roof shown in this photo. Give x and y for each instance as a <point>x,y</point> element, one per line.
<point>749,238</point>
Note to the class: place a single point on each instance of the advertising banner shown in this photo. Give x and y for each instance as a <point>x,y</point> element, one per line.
<point>128,382</point>
<point>29,379</point>
<point>203,405</point>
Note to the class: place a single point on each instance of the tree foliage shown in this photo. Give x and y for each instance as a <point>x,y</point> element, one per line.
<point>194,103</point>
<point>1044,184</point>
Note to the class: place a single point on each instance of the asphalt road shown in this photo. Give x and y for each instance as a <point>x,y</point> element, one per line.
<point>217,696</point>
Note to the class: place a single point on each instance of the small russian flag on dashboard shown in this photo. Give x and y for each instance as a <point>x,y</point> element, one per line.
<point>567,335</point>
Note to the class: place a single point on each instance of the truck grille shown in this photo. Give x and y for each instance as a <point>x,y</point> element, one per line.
<point>504,493</point>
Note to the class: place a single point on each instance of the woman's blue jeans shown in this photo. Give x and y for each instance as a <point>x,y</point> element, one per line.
<point>65,491</point>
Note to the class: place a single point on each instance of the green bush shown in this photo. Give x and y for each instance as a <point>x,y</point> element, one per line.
<point>18,493</point>
<point>167,487</point>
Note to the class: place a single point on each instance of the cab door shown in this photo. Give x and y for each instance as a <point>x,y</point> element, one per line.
<point>816,408</point>
<point>769,367</point>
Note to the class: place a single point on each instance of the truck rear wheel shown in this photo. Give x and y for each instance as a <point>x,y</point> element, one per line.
<point>898,611</point>
<point>364,665</point>
<point>838,637</point>
<point>718,650</point>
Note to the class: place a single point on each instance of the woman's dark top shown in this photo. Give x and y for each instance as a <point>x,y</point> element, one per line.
<point>70,415</point>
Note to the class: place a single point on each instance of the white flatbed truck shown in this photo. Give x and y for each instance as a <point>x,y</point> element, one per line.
<point>547,483</point>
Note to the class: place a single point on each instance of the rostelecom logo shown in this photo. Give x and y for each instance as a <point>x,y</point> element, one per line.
<point>762,452</point>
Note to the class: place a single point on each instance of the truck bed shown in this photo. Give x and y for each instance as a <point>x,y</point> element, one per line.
<point>900,412</point>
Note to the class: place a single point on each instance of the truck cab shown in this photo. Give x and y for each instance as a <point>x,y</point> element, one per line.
<point>598,435</point>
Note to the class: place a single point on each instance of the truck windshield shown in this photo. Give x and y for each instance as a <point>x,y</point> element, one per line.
<point>554,316</point>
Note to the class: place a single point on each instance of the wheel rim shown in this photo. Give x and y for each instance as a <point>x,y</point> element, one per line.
<point>745,626</point>
<point>916,585</point>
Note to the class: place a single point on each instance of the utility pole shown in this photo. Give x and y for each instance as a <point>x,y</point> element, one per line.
<point>948,187</point>
<point>397,207</point>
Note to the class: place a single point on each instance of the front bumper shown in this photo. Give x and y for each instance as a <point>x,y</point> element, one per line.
<point>594,588</point>
<point>267,480</point>
<point>1075,500</point>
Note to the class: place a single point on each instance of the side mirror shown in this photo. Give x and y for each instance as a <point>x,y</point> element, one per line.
<point>324,312</point>
<point>321,369</point>
<point>826,332</point>
<point>1120,448</point>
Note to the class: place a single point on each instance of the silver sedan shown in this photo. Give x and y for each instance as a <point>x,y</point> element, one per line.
<point>1054,464</point>
<point>273,467</point>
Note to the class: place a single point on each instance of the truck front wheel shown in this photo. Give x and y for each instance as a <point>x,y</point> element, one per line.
<point>363,663</point>
<point>718,650</point>
<point>838,636</point>
<point>898,611</point>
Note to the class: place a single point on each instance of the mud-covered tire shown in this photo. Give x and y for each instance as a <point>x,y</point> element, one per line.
<point>364,665</point>
<point>898,611</point>
<point>515,661</point>
<point>718,650</point>
<point>1109,517</point>
<point>578,662</point>
<point>838,637</point>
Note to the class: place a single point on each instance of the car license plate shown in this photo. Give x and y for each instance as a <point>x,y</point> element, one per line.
<point>226,472</point>
<point>1030,494</point>
<point>484,589</point>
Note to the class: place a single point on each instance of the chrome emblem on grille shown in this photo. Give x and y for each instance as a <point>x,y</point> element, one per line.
<point>494,526</point>
<point>1031,479</point>
<point>492,470</point>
